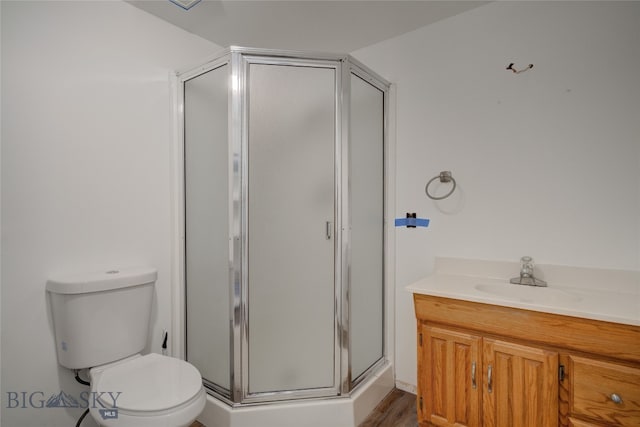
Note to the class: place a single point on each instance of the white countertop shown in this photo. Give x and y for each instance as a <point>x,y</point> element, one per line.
<point>607,295</point>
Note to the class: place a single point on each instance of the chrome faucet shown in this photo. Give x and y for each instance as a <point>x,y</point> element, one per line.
<point>526,274</point>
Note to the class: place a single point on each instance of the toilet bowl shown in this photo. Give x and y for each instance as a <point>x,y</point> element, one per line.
<point>146,391</point>
<point>101,323</point>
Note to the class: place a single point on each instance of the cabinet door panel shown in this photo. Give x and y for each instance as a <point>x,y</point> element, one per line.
<point>521,388</point>
<point>447,385</point>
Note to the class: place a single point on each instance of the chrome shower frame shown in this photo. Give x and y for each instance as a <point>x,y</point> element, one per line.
<point>238,60</point>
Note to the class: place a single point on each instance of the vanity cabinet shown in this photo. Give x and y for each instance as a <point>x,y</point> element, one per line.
<point>494,366</point>
<point>469,380</point>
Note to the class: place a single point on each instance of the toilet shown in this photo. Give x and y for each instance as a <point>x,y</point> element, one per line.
<point>101,323</point>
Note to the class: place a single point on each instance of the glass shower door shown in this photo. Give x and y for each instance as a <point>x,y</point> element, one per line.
<point>291,228</point>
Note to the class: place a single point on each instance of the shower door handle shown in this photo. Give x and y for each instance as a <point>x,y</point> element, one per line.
<point>329,229</point>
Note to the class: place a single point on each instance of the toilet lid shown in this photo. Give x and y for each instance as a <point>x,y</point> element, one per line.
<point>148,383</point>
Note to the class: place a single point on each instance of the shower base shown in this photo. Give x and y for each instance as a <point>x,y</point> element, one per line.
<point>347,411</point>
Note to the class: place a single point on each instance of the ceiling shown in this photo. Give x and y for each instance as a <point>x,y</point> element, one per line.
<point>312,25</point>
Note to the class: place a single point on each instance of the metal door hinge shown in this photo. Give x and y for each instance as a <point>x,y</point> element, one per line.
<point>561,373</point>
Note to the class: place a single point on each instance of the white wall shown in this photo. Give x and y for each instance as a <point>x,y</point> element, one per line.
<point>547,161</point>
<point>0,209</point>
<point>86,169</point>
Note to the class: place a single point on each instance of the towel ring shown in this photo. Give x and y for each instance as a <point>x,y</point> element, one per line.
<point>445,176</point>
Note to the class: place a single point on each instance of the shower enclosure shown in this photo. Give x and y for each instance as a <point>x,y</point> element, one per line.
<point>284,215</point>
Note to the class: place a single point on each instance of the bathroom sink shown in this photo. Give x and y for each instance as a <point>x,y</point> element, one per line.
<point>528,294</point>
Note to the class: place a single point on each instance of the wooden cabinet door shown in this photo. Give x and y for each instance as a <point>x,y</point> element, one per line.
<point>450,374</point>
<point>579,423</point>
<point>520,385</point>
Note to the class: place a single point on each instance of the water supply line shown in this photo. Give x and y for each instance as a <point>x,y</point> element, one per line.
<point>83,382</point>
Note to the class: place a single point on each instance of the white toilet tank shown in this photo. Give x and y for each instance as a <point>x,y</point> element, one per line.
<point>101,317</point>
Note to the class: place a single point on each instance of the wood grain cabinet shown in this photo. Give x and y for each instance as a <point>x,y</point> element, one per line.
<point>521,385</point>
<point>603,392</point>
<point>481,365</point>
<point>471,381</point>
<point>450,376</point>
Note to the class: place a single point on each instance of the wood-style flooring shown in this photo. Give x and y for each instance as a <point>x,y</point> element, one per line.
<point>398,409</point>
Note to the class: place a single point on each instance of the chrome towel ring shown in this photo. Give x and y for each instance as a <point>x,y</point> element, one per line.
<point>445,176</point>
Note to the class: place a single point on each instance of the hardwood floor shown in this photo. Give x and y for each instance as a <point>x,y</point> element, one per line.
<point>398,409</point>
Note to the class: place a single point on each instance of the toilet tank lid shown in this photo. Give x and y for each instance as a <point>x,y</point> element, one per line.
<point>101,280</point>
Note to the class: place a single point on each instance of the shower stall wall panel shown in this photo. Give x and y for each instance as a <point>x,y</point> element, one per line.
<point>366,225</point>
<point>206,175</point>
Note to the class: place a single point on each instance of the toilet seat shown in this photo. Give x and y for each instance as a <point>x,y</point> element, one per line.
<point>145,387</point>
<point>147,383</point>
